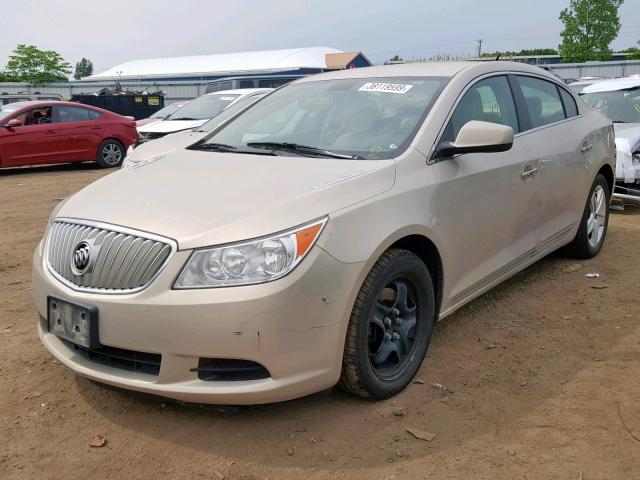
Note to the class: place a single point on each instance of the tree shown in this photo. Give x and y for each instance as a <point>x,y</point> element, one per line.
<point>36,67</point>
<point>394,59</point>
<point>84,68</point>
<point>589,28</point>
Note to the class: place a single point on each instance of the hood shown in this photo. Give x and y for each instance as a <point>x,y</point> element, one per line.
<point>165,145</point>
<point>206,198</point>
<point>168,126</point>
<point>146,121</point>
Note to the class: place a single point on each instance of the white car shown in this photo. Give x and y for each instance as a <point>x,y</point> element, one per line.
<point>619,99</point>
<point>151,151</point>
<point>197,112</point>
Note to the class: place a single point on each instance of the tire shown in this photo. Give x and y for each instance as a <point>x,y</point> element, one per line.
<point>110,154</point>
<point>590,237</point>
<point>378,330</point>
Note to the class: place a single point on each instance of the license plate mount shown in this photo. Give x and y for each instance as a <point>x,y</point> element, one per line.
<point>74,322</point>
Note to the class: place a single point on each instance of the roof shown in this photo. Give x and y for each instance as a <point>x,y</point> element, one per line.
<point>428,69</point>
<point>340,60</point>
<point>222,63</point>
<point>612,85</point>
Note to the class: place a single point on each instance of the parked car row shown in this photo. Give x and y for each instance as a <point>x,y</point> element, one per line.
<point>316,236</point>
<point>619,100</point>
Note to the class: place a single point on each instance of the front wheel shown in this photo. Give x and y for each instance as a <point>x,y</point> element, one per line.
<point>595,220</point>
<point>390,326</point>
<point>110,154</point>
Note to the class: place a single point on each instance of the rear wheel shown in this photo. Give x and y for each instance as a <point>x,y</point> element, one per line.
<point>390,326</point>
<point>110,154</point>
<point>595,220</point>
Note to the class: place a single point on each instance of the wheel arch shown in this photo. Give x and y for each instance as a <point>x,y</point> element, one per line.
<point>607,172</point>
<point>427,251</point>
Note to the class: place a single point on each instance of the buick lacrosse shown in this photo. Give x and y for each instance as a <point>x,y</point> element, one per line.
<point>318,236</point>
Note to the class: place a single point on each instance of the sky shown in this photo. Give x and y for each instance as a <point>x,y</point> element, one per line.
<point>114,31</point>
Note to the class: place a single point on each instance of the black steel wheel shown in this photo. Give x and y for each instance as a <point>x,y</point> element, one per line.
<point>390,326</point>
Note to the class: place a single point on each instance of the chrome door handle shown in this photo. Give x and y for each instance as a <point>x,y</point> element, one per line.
<point>529,173</point>
<point>586,148</point>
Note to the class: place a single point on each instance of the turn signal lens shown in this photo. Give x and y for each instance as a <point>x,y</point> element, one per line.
<point>246,263</point>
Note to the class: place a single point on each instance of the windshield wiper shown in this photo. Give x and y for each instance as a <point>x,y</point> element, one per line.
<point>183,118</point>
<point>301,149</point>
<point>223,147</point>
<point>620,121</point>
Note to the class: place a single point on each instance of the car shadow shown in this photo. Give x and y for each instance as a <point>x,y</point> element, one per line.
<point>57,167</point>
<point>485,369</point>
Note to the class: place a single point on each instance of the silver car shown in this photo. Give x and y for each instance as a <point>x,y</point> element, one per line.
<point>318,236</point>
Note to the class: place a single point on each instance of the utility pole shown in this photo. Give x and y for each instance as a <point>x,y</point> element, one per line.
<point>480,48</point>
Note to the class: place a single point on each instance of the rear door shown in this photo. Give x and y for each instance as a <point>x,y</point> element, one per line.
<point>557,137</point>
<point>81,129</point>
<point>36,141</point>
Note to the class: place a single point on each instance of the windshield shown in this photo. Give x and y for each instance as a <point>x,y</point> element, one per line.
<point>230,112</point>
<point>169,109</point>
<point>621,106</point>
<point>203,108</point>
<point>363,118</point>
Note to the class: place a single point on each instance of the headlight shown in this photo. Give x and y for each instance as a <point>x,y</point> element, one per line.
<point>256,261</point>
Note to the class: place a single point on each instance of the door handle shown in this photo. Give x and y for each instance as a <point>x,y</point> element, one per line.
<point>96,128</point>
<point>587,147</point>
<point>50,132</point>
<point>529,172</point>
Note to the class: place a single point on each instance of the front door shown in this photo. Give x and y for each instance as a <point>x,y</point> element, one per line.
<point>35,142</point>
<point>492,200</point>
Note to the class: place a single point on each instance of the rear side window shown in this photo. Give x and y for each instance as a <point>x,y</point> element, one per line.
<point>93,115</point>
<point>489,100</point>
<point>542,101</point>
<point>73,114</point>
<point>570,106</point>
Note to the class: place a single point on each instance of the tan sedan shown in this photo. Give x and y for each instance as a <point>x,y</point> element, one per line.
<point>317,237</point>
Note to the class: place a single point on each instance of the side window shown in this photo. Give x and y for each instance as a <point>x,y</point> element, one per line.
<point>72,114</point>
<point>37,116</point>
<point>570,106</point>
<point>543,101</point>
<point>246,83</point>
<point>489,100</point>
<point>93,115</point>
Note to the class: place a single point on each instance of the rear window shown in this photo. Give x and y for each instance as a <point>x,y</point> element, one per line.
<point>7,101</point>
<point>74,114</point>
<point>570,106</point>
<point>542,100</point>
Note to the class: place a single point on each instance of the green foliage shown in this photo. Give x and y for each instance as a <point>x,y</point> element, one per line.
<point>395,58</point>
<point>634,53</point>
<point>84,68</point>
<point>522,53</point>
<point>7,77</point>
<point>36,67</point>
<point>589,28</point>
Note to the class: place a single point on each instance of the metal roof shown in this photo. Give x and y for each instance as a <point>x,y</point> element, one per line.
<point>221,63</point>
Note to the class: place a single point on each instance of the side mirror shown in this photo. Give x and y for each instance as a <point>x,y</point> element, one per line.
<point>478,137</point>
<point>14,122</point>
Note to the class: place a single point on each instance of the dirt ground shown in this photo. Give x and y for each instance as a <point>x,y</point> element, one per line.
<point>540,380</point>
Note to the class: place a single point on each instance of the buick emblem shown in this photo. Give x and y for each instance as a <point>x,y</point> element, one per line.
<point>81,258</point>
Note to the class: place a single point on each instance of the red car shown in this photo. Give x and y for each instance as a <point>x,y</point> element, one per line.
<point>39,132</point>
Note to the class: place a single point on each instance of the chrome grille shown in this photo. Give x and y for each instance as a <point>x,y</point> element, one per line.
<point>121,260</point>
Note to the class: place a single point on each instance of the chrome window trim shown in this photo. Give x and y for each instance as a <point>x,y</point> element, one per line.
<point>173,245</point>
<point>505,73</point>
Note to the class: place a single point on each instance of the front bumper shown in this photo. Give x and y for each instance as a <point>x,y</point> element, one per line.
<point>294,327</point>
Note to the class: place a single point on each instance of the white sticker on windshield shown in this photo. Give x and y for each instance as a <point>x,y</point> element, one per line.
<point>386,87</point>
